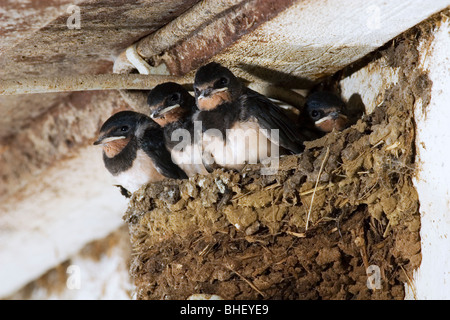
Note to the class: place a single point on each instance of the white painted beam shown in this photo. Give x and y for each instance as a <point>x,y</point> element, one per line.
<point>432,279</point>
<point>432,180</point>
<point>315,38</point>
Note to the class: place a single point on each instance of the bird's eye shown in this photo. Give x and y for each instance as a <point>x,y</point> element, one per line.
<point>223,82</point>
<point>315,114</point>
<point>174,98</point>
<point>197,91</point>
<point>124,128</point>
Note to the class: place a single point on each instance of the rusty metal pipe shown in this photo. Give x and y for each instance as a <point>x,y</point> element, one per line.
<point>84,83</point>
<point>195,37</point>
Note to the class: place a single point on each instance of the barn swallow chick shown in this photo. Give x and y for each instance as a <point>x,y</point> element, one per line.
<point>239,125</point>
<point>325,111</point>
<point>172,107</point>
<point>134,151</point>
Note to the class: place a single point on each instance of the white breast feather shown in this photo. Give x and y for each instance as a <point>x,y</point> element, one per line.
<point>141,172</point>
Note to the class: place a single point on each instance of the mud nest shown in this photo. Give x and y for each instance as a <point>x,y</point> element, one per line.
<point>243,235</point>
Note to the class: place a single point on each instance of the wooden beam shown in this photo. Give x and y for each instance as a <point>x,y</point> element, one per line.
<point>205,30</point>
<point>314,39</point>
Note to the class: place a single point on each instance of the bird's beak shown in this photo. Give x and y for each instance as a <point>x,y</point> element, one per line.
<point>158,113</point>
<point>206,93</point>
<point>335,120</point>
<point>106,139</point>
<point>332,116</point>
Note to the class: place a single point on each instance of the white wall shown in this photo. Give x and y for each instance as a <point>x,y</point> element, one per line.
<point>54,218</point>
<point>432,180</point>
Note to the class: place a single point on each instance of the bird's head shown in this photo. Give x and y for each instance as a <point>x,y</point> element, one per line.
<point>170,102</point>
<point>215,85</point>
<point>325,110</point>
<point>118,131</point>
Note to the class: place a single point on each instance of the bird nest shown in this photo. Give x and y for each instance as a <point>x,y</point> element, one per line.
<point>342,212</point>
